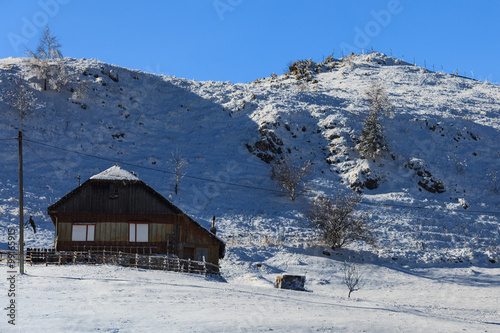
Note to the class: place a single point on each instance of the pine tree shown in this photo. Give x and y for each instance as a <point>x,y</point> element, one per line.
<point>373,142</point>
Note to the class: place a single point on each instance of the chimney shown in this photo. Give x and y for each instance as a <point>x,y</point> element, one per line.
<point>213,229</point>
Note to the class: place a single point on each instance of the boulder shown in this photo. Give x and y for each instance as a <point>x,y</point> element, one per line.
<point>294,282</point>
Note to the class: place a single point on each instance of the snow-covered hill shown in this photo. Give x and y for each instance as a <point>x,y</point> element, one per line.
<point>433,199</point>
<point>444,132</point>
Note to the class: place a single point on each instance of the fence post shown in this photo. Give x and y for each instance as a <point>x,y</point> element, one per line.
<point>46,257</point>
<point>136,259</point>
<point>88,258</point>
<point>104,257</point>
<point>189,265</point>
<point>74,257</point>
<point>204,266</point>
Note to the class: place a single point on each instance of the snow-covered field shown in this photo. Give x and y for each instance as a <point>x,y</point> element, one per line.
<point>436,266</point>
<point>393,299</point>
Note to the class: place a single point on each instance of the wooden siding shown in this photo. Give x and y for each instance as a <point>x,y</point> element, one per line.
<point>173,234</point>
<point>132,198</point>
<point>111,231</point>
<point>64,232</point>
<point>160,232</point>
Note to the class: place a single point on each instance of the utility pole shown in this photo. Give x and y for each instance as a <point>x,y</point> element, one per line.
<point>21,206</point>
<point>21,192</point>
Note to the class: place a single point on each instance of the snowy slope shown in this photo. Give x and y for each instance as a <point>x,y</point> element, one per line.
<point>114,299</point>
<point>444,130</point>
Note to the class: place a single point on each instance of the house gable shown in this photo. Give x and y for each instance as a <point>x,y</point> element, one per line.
<point>112,196</point>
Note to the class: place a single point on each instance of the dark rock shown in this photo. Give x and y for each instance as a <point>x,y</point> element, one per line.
<point>432,185</point>
<point>371,184</point>
<point>262,145</point>
<point>113,76</point>
<point>294,282</point>
<point>265,157</point>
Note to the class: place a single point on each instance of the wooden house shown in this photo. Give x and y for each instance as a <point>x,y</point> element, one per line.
<point>115,211</point>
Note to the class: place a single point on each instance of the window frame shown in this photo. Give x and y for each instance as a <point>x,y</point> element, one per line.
<point>134,225</point>
<point>86,225</point>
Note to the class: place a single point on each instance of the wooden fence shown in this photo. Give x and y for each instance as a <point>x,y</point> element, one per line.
<point>8,256</point>
<point>153,262</point>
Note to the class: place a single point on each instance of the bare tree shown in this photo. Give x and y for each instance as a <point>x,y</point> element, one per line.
<point>352,277</point>
<point>178,164</point>
<point>20,97</point>
<point>494,184</point>
<point>338,222</point>
<point>373,141</point>
<point>47,62</point>
<point>291,176</point>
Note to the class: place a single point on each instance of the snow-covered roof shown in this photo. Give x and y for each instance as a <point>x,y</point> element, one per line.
<point>115,173</point>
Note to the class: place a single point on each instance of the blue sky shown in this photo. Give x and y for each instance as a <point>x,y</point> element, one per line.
<point>241,40</point>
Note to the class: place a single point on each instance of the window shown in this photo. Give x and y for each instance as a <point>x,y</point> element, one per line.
<point>113,191</point>
<point>83,232</point>
<point>139,232</point>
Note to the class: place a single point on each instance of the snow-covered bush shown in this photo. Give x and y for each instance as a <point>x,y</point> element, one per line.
<point>302,68</point>
<point>291,176</point>
<point>81,90</point>
<point>338,222</point>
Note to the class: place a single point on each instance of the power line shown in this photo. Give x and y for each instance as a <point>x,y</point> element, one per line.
<point>254,187</point>
<point>40,157</point>
<point>153,169</point>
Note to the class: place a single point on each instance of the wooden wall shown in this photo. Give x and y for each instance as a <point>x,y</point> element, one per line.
<point>182,236</point>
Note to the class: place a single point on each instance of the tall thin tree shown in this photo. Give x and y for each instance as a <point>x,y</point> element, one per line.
<point>179,163</point>
<point>46,61</point>
<point>21,98</point>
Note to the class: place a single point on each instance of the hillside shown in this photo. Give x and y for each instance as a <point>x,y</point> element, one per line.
<point>444,132</point>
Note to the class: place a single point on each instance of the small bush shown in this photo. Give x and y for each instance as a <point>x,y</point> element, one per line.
<point>338,222</point>
<point>352,277</point>
<point>291,176</point>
